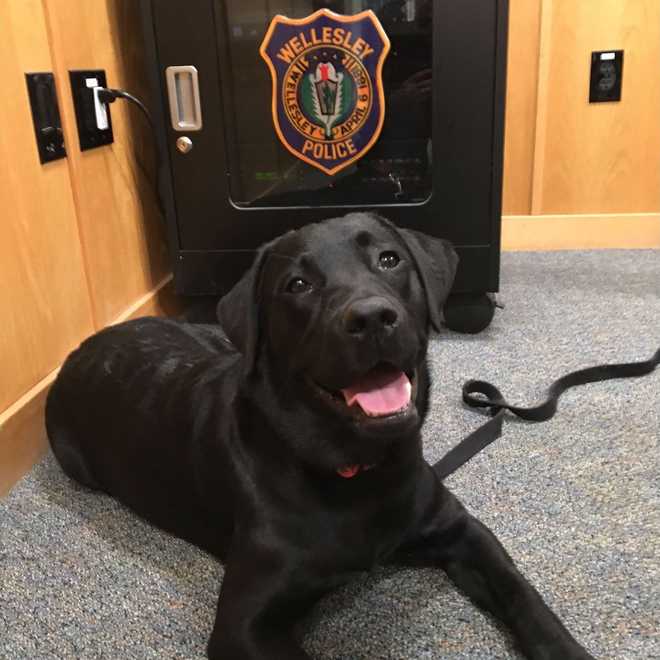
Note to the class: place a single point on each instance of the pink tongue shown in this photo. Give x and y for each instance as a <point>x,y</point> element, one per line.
<point>380,392</point>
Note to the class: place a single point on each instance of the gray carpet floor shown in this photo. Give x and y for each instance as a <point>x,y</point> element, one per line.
<point>575,500</point>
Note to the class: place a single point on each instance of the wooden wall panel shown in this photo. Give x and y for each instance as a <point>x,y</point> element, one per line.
<point>629,231</point>
<point>520,124</point>
<point>44,306</point>
<point>602,157</point>
<point>120,228</point>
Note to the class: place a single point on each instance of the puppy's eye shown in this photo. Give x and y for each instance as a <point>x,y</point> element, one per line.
<point>298,285</point>
<point>388,259</point>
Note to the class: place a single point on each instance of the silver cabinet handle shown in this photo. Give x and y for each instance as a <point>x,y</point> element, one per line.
<point>183,92</point>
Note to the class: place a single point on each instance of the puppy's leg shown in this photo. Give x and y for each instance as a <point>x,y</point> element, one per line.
<point>478,564</point>
<point>258,606</point>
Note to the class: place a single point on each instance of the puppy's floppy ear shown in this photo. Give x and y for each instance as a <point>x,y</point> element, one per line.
<point>238,312</point>
<point>436,262</point>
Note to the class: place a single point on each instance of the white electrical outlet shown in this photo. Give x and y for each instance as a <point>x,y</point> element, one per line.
<point>100,109</point>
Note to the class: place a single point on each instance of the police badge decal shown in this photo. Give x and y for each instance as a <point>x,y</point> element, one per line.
<point>328,103</point>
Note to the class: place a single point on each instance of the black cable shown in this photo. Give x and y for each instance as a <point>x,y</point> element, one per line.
<point>108,95</point>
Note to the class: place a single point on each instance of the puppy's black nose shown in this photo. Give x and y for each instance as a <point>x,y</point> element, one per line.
<point>370,316</point>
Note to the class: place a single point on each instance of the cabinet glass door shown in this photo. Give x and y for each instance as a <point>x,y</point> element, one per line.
<point>396,169</point>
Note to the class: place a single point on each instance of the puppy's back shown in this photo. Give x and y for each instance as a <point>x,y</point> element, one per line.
<point>129,399</point>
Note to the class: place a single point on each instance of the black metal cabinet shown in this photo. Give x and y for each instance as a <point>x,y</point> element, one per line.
<point>238,186</point>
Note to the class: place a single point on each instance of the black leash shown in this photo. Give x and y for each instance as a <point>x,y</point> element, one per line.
<point>492,429</point>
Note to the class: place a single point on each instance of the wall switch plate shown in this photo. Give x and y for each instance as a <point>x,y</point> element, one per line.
<point>606,74</point>
<point>45,116</point>
<point>92,117</point>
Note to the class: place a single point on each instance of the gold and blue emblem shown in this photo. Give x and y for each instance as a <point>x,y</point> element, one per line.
<point>328,103</point>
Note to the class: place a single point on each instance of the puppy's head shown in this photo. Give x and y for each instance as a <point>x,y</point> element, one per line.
<point>335,317</point>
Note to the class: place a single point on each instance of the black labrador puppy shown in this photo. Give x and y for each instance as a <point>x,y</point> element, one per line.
<point>293,451</point>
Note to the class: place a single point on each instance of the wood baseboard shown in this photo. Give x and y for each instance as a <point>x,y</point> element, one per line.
<point>580,232</point>
<point>22,433</point>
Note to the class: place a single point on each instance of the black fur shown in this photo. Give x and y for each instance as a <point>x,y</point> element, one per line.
<point>236,445</point>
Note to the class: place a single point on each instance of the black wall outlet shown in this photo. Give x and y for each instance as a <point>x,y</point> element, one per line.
<point>90,134</point>
<point>45,116</point>
<point>606,74</point>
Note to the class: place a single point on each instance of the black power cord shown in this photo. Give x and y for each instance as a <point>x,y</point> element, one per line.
<point>108,95</point>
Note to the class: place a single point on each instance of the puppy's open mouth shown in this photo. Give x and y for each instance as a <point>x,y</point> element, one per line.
<point>383,392</point>
<point>381,401</point>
